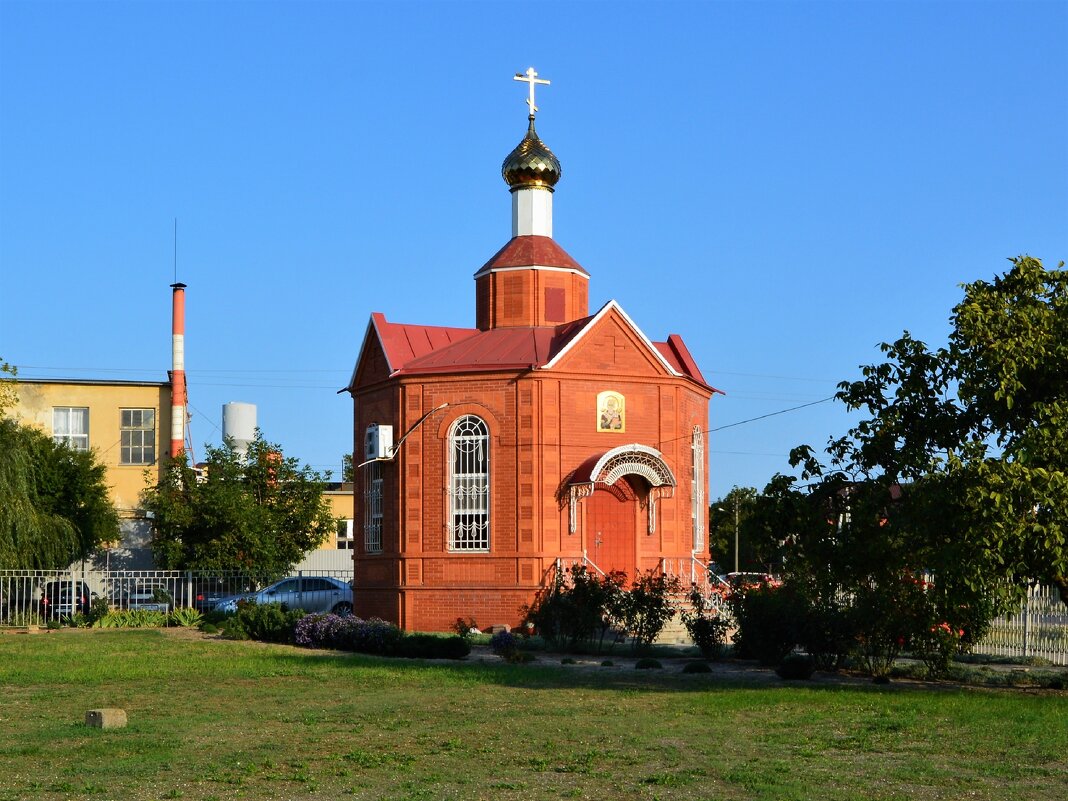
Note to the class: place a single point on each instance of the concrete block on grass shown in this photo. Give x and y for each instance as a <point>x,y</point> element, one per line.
<point>105,718</point>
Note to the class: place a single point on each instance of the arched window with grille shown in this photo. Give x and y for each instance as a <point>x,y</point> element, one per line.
<point>469,489</point>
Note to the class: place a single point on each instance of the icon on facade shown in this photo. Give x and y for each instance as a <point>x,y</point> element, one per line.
<point>611,411</point>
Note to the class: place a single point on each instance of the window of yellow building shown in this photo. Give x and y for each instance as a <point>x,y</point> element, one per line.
<point>344,534</point>
<point>138,432</point>
<point>70,426</point>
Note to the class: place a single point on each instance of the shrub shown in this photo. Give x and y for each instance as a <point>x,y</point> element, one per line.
<point>266,622</point>
<point>648,663</point>
<point>432,646</point>
<point>936,647</point>
<point>147,618</point>
<point>696,667</point>
<point>379,637</point>
<point>184,616</point>
<point>887,612</point>
<point>827,632</point>
<point>577,607</point>
<point>97,609</point>
<point>132,619</point>
<point>372,636</point>
<point>465,628</point>
<point>567,660</point>
<point>796,666</point>
<point>646,607</point>
<point>703,623</point>
<point>504,644</point>
<point>322,630</point>
<point>326,630</point>
<point>217,617</point>
<point>768,621</point>
<point>608,663</point>
<point>209,628</point>
<point>233,629</point>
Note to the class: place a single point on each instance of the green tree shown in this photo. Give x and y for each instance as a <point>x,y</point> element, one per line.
<point>260,514</point>
<point>977,432</point>
<point>759,545</point>
<point>54,504</point>
<point>348,473</point>
<point>958,471</point>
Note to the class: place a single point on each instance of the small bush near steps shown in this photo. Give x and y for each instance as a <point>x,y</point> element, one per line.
<point>696,667</point>
<point>506,646</point>
<point>795,667</point>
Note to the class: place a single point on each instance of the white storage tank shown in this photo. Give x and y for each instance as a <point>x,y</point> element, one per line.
<point>239,423</point>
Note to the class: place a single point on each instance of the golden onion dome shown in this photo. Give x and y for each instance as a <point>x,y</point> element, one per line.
<point>531,164</point>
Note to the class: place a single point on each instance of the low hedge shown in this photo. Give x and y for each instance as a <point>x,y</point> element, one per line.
<point>375,636</point>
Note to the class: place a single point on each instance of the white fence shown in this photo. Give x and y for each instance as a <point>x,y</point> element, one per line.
<point>35,596</point>
<point>1038,630</point>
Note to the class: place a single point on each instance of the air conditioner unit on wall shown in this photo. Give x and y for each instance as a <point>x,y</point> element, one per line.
<point>378,442</point>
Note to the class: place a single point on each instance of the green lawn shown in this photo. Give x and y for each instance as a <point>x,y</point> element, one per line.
<point>216,719</point>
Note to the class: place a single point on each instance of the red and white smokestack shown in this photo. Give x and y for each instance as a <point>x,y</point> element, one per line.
<point>178,392</point>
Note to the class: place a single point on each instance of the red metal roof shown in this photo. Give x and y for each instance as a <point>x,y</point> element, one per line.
<point>421,349</point>
<point>532,251</point>
<point>402,342</point>
<point>522,348</point>
<point>678,356</point>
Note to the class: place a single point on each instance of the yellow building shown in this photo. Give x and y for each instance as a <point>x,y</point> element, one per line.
<point>339,496</point>
<point>127,424</point>
<point>121,421</point>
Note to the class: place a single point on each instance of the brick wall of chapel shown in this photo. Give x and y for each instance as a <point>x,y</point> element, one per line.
<point>543,425</point>
<point>530,298</point>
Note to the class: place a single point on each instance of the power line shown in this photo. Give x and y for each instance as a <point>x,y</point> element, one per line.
<point>771,414</point>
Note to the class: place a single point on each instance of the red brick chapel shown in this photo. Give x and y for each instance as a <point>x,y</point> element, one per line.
<point>543,435</point>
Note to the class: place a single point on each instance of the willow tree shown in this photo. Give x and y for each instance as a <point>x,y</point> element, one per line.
<point>54,504</point>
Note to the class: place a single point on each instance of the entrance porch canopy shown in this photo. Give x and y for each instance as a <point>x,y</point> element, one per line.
<point>607,468</point>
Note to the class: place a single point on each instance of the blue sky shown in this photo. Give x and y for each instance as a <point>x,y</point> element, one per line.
<point>785,185</point>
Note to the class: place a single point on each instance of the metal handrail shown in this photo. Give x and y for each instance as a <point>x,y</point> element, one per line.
<point>708,572</point>
<point>589,562</point>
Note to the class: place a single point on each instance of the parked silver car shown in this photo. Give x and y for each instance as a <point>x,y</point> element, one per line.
<point>310,593</point>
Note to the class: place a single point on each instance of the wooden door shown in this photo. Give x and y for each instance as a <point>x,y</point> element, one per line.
<point>612,528</point>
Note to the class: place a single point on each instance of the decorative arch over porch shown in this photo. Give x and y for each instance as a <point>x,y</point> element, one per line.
<point>607,468</point>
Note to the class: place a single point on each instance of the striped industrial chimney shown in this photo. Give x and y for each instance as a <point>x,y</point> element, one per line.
<point>179,400</point>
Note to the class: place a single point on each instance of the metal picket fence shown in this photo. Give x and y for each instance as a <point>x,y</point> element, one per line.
<point>33,597</point>
<point>1039,630</point>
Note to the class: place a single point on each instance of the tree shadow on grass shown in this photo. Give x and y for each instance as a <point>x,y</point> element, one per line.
<point>549,674</point>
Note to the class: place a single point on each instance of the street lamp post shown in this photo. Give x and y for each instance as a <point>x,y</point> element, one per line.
<point>721,509</point>
<point>735,533</point>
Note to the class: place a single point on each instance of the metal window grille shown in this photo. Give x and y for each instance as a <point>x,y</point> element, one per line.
<point>372,508</point>
<point>137,431</point>
<point>698,489</point>
<point>70,426</point>
<point>469,485</point>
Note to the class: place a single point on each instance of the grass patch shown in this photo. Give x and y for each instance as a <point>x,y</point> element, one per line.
<point>213,719</point>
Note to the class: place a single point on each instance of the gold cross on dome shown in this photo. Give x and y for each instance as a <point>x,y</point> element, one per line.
<point>531,78</point>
